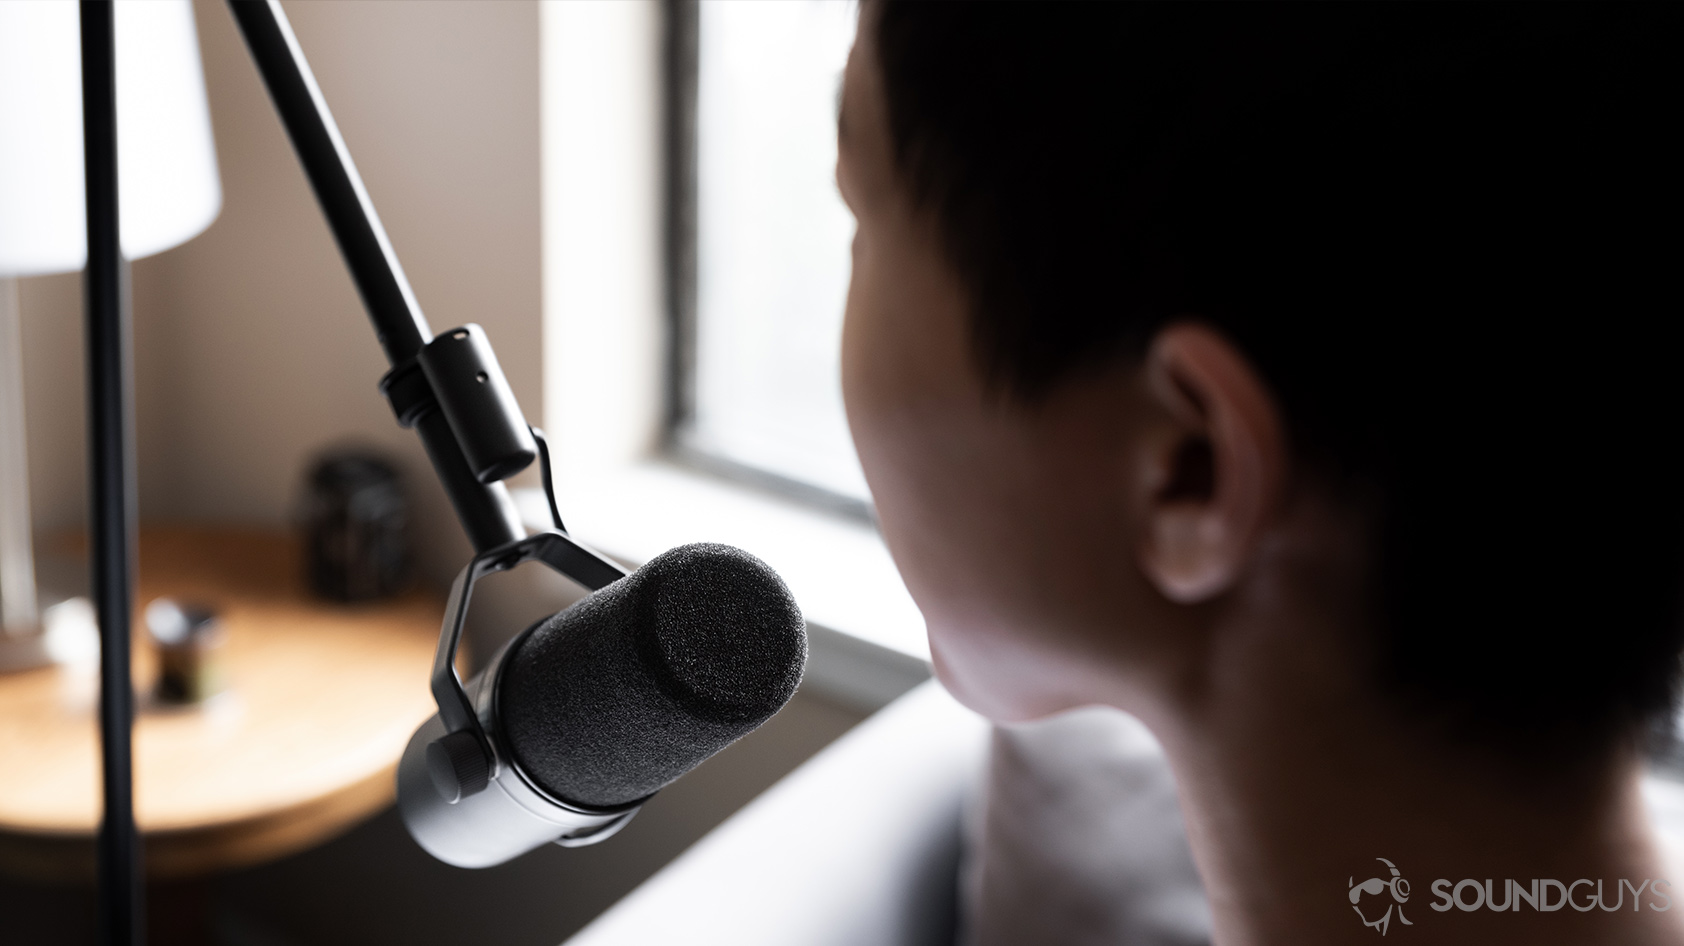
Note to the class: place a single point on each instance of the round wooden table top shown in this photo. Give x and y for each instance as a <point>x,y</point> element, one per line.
<point>321,700</point>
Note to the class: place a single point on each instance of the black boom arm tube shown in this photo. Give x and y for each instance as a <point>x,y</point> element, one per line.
<point>485,509</point>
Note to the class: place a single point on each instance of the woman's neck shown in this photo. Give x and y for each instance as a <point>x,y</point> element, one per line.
<point>1299,789</point>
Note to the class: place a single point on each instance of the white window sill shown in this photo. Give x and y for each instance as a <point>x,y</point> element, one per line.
<point>867,635</point>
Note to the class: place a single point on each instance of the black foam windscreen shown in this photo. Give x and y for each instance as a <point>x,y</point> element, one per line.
<point>615,697</point>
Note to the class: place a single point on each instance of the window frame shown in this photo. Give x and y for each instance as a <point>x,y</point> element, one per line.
<point>681,65</point>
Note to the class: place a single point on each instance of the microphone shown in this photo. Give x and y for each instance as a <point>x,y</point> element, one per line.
<point>587,713</point>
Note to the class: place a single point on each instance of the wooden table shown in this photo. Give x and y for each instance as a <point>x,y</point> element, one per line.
<point>322,699</point>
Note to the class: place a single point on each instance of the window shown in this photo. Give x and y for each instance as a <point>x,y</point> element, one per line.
<point>759,243</point>
<point>636,429</point>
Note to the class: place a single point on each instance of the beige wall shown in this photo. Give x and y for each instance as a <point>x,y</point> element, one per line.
<point>252,348</point>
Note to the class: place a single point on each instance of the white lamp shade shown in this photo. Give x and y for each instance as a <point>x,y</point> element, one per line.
<point>167,183</point>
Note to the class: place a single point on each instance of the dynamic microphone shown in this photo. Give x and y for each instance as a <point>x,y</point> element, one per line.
<point>587,713</point>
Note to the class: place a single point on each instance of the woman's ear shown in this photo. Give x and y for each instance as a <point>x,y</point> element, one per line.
<point>1220,477</point>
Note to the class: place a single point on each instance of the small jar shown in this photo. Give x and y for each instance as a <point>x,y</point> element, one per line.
<point>190,640</point>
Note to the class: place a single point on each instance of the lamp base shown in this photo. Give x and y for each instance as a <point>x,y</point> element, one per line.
<point>67,632</point>
<point>23,649</point>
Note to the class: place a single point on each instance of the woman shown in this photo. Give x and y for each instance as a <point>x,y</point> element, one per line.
<point>1295,380</point>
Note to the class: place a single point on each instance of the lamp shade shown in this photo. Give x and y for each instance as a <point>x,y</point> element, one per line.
<point>166,161</point>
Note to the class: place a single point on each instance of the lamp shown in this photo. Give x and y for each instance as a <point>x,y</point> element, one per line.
<point>168,193</point>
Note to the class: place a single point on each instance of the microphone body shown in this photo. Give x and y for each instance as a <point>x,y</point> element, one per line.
<point>589,712</point>
<point>504,820</point>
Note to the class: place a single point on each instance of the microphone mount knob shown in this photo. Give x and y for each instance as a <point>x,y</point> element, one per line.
<point>457,765</point>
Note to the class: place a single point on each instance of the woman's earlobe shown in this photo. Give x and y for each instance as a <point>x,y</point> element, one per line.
<point>1221,473</point>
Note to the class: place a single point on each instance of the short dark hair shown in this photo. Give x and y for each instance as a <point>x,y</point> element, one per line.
<point>1441,235</point>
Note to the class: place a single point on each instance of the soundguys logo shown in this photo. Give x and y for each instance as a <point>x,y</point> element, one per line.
<point>1375,886</point>
<point>1467,896</point>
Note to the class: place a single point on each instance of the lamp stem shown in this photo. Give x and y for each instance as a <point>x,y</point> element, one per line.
<point>111,479</point>
<point>18,613</point>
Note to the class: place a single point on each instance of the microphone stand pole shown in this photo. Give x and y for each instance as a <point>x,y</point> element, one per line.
<point>111,481</point>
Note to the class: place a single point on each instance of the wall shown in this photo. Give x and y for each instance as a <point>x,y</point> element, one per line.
<point>605,310</point>
<point>252,349</point>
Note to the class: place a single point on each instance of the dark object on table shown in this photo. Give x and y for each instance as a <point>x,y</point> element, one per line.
<point>190,640</point>
<point>357,528</point>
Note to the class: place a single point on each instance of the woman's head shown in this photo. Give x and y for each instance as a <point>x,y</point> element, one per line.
<point>1161,312</point>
